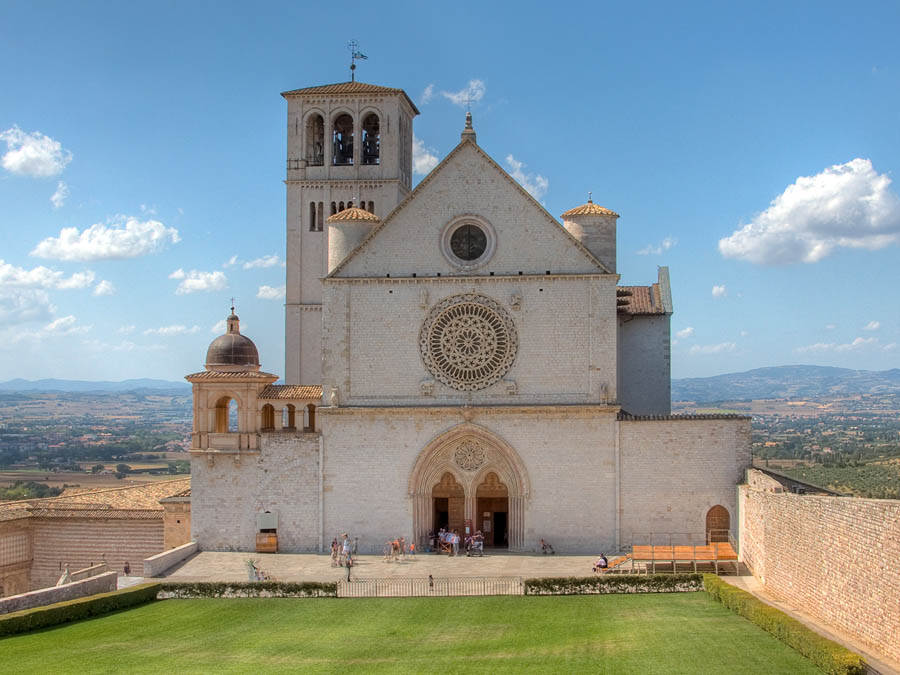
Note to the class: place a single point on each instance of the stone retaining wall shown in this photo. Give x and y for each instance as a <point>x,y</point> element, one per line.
<point>837,558</point>
<point>102,583</point>
<point>161,562</point>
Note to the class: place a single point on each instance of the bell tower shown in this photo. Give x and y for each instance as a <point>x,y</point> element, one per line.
<point>348,145</point>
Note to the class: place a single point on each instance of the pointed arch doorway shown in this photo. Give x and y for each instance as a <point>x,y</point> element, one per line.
<point>492,511</point>
<point>490,475</point>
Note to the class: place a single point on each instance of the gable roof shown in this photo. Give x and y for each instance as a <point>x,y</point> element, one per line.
<point>350,88</point>
<point>430,177</point>
<point>133,499</point>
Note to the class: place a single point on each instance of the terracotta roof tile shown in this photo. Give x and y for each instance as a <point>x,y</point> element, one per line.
<point>221,375</point>
<point>643,300</point>
<point>353,213</point>
<point>134,498</point>
<point>589,209</point>
<point>291,391</point>
<point>350,88</point>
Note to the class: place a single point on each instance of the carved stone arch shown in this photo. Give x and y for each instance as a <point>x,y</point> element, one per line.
<point>214,395</point>
<point>469,452</point>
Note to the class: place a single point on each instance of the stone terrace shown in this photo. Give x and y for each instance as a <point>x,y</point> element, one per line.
<point>219,566</point>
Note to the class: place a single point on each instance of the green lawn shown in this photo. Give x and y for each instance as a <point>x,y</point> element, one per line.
<point>616,634</point>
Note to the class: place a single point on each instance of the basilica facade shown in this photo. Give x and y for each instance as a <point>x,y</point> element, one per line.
<point>455,357</point>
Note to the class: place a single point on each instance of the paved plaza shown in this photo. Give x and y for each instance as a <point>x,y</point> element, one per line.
<point>220,566</point>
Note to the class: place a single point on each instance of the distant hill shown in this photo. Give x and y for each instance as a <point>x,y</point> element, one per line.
<point>786,382</point>
<point>87,385</point>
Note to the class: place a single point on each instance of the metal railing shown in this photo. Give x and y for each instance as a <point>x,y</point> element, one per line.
<point>429,587</point>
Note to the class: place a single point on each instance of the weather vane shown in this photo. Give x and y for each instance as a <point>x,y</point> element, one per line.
<point>355,55</point>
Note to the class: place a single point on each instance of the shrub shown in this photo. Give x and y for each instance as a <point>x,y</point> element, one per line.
<point>75,610</point>
<point>827,654</point>
<point>253,589</point>
<point>615,583</point>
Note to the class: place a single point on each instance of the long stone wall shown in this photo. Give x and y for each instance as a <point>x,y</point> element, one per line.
<point>837,558</point>
<point>83,542</point>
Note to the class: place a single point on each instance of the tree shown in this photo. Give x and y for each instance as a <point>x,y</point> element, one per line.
<point>123,469</point>
<point>97,468</point>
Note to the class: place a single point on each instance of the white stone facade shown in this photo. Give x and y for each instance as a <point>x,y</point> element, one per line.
<point>478,367</point>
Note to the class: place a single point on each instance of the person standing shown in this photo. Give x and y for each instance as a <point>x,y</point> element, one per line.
<point>345,548</point>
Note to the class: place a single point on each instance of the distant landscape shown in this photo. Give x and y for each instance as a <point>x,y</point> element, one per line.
<point>833,427</point>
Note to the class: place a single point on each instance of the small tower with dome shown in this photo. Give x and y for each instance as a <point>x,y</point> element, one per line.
<point>595,227</point>
<point>226,408</point>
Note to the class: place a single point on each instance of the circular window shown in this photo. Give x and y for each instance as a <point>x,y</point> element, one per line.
<point>468,242</point>
<point>468,342</point>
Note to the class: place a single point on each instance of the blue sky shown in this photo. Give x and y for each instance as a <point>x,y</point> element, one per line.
<point>749,149</point>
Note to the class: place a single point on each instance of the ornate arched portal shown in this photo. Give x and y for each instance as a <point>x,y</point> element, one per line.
<point>474,457</point>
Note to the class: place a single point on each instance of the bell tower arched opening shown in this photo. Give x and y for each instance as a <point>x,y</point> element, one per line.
<point>371,138</point>
<point>342,151</point>
<point>315,140</point>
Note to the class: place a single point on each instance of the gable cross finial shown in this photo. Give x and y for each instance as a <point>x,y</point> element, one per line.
<point>355,55</point>
<point>590,201</point>
<point>232,305</point>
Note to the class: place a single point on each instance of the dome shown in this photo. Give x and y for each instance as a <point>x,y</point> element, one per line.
<point>589,209</point>
<point>354,213</point>
<point>232,348</point>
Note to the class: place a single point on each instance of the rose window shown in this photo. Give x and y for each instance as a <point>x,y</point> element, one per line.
<point>468,342</point>
<point>469,456</point>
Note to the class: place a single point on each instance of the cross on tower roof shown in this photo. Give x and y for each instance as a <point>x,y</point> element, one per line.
<point>355,55</point>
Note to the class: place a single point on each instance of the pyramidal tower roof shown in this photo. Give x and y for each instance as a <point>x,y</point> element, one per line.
<point>350,88</point>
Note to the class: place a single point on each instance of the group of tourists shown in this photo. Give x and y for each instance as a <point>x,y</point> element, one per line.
<point>398,549</point>
<point>447,541</point>
<point>343,551</point>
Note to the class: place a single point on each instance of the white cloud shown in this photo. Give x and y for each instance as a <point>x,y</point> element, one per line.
<point>265,261</point>
<point>744,333</point>
<point>473,93</point>
<point>62,326</point>
<point>171,331</point>
<point>232,261</point>
<point>721,348</point>
<point>891,346</point>
<point>664,245</point>
<point>424,159</point>
<point>719,291</point>
<point>427,95</point>
<point>872,325</point>
<point>126,330</point>
<point>20,305</point>
<point>218,327</point>
<point>128,238</point>
<point>819,347</point>
<point>42,277</point>
<point>270,292</point>
<point>59,197</point>
<point>33,154</point>
<point>830,326</point>
<point>105,288</point>
<point>846,205</point>
<point>535,184</point>
<point>194,281</point>
<point>685,332</point>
